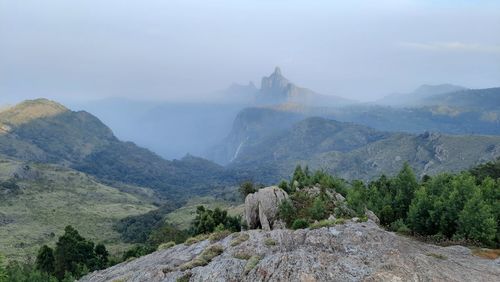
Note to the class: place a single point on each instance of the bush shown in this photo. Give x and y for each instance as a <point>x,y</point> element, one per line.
<point>300,224</point>
<point>317,210</point>
<point>287,212</point>
<point>400,227</point>
<point>206,221</point>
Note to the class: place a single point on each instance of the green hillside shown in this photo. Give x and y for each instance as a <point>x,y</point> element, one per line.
<point>38,200</point>
<point>44,131</point>
<point>357,152</point>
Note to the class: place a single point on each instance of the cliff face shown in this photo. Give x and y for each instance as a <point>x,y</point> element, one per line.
<point>344,252</point>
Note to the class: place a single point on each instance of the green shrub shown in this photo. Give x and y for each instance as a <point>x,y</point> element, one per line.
<point>400,227</point>
<point>165,246</point>
<point>317,210</point>
<point>242,237</point>
<point>339,221</point>
<point>300,224</point>
<point>207,221</point>
<point>287,212</point>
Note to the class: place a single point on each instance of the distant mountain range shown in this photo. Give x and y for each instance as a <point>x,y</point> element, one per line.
<point>276,89</point>
<point>357,152</point>
<point>422,92</point>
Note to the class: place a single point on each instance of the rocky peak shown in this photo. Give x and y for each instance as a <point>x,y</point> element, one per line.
<point>275,83</point>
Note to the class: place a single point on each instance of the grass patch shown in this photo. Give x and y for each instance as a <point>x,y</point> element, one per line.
<point>252,263</point>
<point>269,242</point>
<point>184,278</point>
<point>219,235</point>
<point>438,256</point>
<point>322,223</point>
<point>242,255</point>
<point>59,197</point>
<point>193,240</point>
<point>165,246</point>
<point>242,237</point>
<point>204,258</point>
<point>339,221</point>
<point>487,253</point>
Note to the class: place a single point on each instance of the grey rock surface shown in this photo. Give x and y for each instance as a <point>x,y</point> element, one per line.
<point>261,207</point>
<point>347,252</point>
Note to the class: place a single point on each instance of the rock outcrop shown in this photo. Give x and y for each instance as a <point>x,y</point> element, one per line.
<point>346,252</point>
<point>261,207</point>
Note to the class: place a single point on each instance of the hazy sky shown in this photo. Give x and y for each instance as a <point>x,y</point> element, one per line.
<point>183,49</point>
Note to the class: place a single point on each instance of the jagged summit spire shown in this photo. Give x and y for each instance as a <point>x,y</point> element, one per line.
<point>277,70</point>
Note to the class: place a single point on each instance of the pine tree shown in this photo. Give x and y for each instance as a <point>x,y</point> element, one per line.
<point>405,185</point>
<point>45,260</point>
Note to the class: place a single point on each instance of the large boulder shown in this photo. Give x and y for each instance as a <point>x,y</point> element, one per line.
<point>261,207</point>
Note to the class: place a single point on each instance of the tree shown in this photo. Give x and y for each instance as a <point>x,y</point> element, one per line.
<point>318,209</point>
<point>284,185</point>
<point>45,260</point>
<point>166,233</point>
<point>287,212</point>
<point>3,272</point>
<point>207,220</point>
<point>73,254</point>
<point>357,197</point>
<point>419,215</point>
<point>299,176</point>
<point>102,256</point>
<point>405,184</point>
<point>246,188</point>
<point>476,221</point>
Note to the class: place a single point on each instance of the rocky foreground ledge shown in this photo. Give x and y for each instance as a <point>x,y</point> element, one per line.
<point>345,252</point>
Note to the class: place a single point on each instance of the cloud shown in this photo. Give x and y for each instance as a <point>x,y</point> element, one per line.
<point>451,46</point>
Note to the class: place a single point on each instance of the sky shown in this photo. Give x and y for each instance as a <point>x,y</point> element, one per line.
<point>185,50</point>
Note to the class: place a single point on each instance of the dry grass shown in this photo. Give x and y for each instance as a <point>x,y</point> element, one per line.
<point>193,240</point>
<point>204,258</point>
<point>242,255</point>
<point>487,253</point>
<point>242,237</point>
<point>218,235</point>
